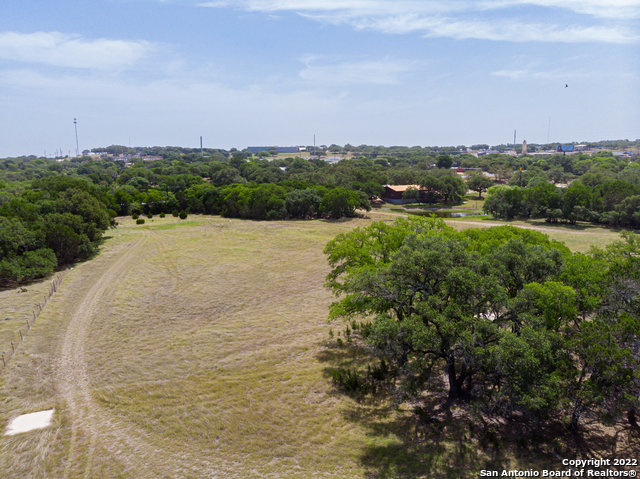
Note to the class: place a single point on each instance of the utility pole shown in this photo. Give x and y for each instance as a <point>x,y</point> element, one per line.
<point>201,150</point>
<point>75,125</point>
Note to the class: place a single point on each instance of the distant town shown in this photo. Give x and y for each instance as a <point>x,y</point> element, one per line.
<point>335,153</point>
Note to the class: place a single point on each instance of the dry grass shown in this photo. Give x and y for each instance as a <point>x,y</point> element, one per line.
<point>580,237</point>
<point>16,307</point>
<point>210,351</point>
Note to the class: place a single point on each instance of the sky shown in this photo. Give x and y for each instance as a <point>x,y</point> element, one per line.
<point>277,72</point>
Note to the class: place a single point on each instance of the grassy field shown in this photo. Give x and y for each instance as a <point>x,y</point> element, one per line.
<point>200,348</point>
<point>17,305</point>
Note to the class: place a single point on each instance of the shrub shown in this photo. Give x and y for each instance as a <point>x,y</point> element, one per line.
<point>135,216</point>
<point>140,221</point>
<point>183,215</point>
<point>162,215</point>
<point>149,215</point>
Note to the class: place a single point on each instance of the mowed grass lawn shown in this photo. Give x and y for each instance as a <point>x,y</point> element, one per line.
<point>214,345</point>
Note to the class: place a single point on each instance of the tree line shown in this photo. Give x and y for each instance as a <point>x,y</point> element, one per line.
<point>50,223</point>
<point>613,202</point>
<point>603,189</point>
<point>286,200</point>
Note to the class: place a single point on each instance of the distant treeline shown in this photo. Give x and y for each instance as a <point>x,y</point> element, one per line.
<point>54,212</point>
<point>369,151</point>
<point>267,201</point>
<point>612,202</point>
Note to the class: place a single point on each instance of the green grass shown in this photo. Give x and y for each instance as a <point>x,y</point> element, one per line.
<point>170,226</point>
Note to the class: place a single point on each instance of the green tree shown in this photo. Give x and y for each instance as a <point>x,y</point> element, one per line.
<point>479,183</point>
<point>30,265</point>
<point>427,296</point>
<point>504,312</point>
<point>505,202</point>
<point>412,194</point>
<point>444,161</point>
<point>303,203</point>
<point>340,202</point>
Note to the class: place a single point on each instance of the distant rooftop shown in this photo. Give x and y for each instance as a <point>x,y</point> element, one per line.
<point>279,149</point>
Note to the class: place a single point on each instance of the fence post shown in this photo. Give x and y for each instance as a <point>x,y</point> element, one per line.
<point>13,348</point>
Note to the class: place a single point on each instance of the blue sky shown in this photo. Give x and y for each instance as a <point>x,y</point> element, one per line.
<point>276,72</point>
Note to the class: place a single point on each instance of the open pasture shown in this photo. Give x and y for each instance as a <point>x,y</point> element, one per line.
<point>200,348</point>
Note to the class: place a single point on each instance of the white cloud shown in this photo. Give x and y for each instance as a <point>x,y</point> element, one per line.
<point>455,18</point>
<point>596,8</point>
<point>613,9</point>
<point>511,31</point>
<point>570,69</point>
<point>379,72</point>
<point>173,93</point>
<point>74,51</point>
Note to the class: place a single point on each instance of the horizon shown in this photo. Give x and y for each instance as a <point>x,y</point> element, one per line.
<point>99,149</point>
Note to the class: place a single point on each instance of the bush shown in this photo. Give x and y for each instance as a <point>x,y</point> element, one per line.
<point>340,202</point>
<point>135,216</point>
<point>140,221</point>
<point>174,213</point>
<point>349,381</point>
<point>149,215</point>
<point>183,215</point>
<point>30,265</point>
<point>162,215</point>
<point>303,203</point>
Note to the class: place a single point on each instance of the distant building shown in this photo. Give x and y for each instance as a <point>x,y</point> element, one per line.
<point>524,147</point>
<point>393,193</point>
<point>279,149</point>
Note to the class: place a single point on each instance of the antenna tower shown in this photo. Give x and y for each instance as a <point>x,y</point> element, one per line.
<point>75,125</point>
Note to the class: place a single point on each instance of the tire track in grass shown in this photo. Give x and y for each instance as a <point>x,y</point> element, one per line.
<point>88,418</point>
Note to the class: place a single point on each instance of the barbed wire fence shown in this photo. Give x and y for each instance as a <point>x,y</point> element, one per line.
<point>19,336</point>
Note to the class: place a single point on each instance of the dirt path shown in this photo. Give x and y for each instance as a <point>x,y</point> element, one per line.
<point>91,423</point>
